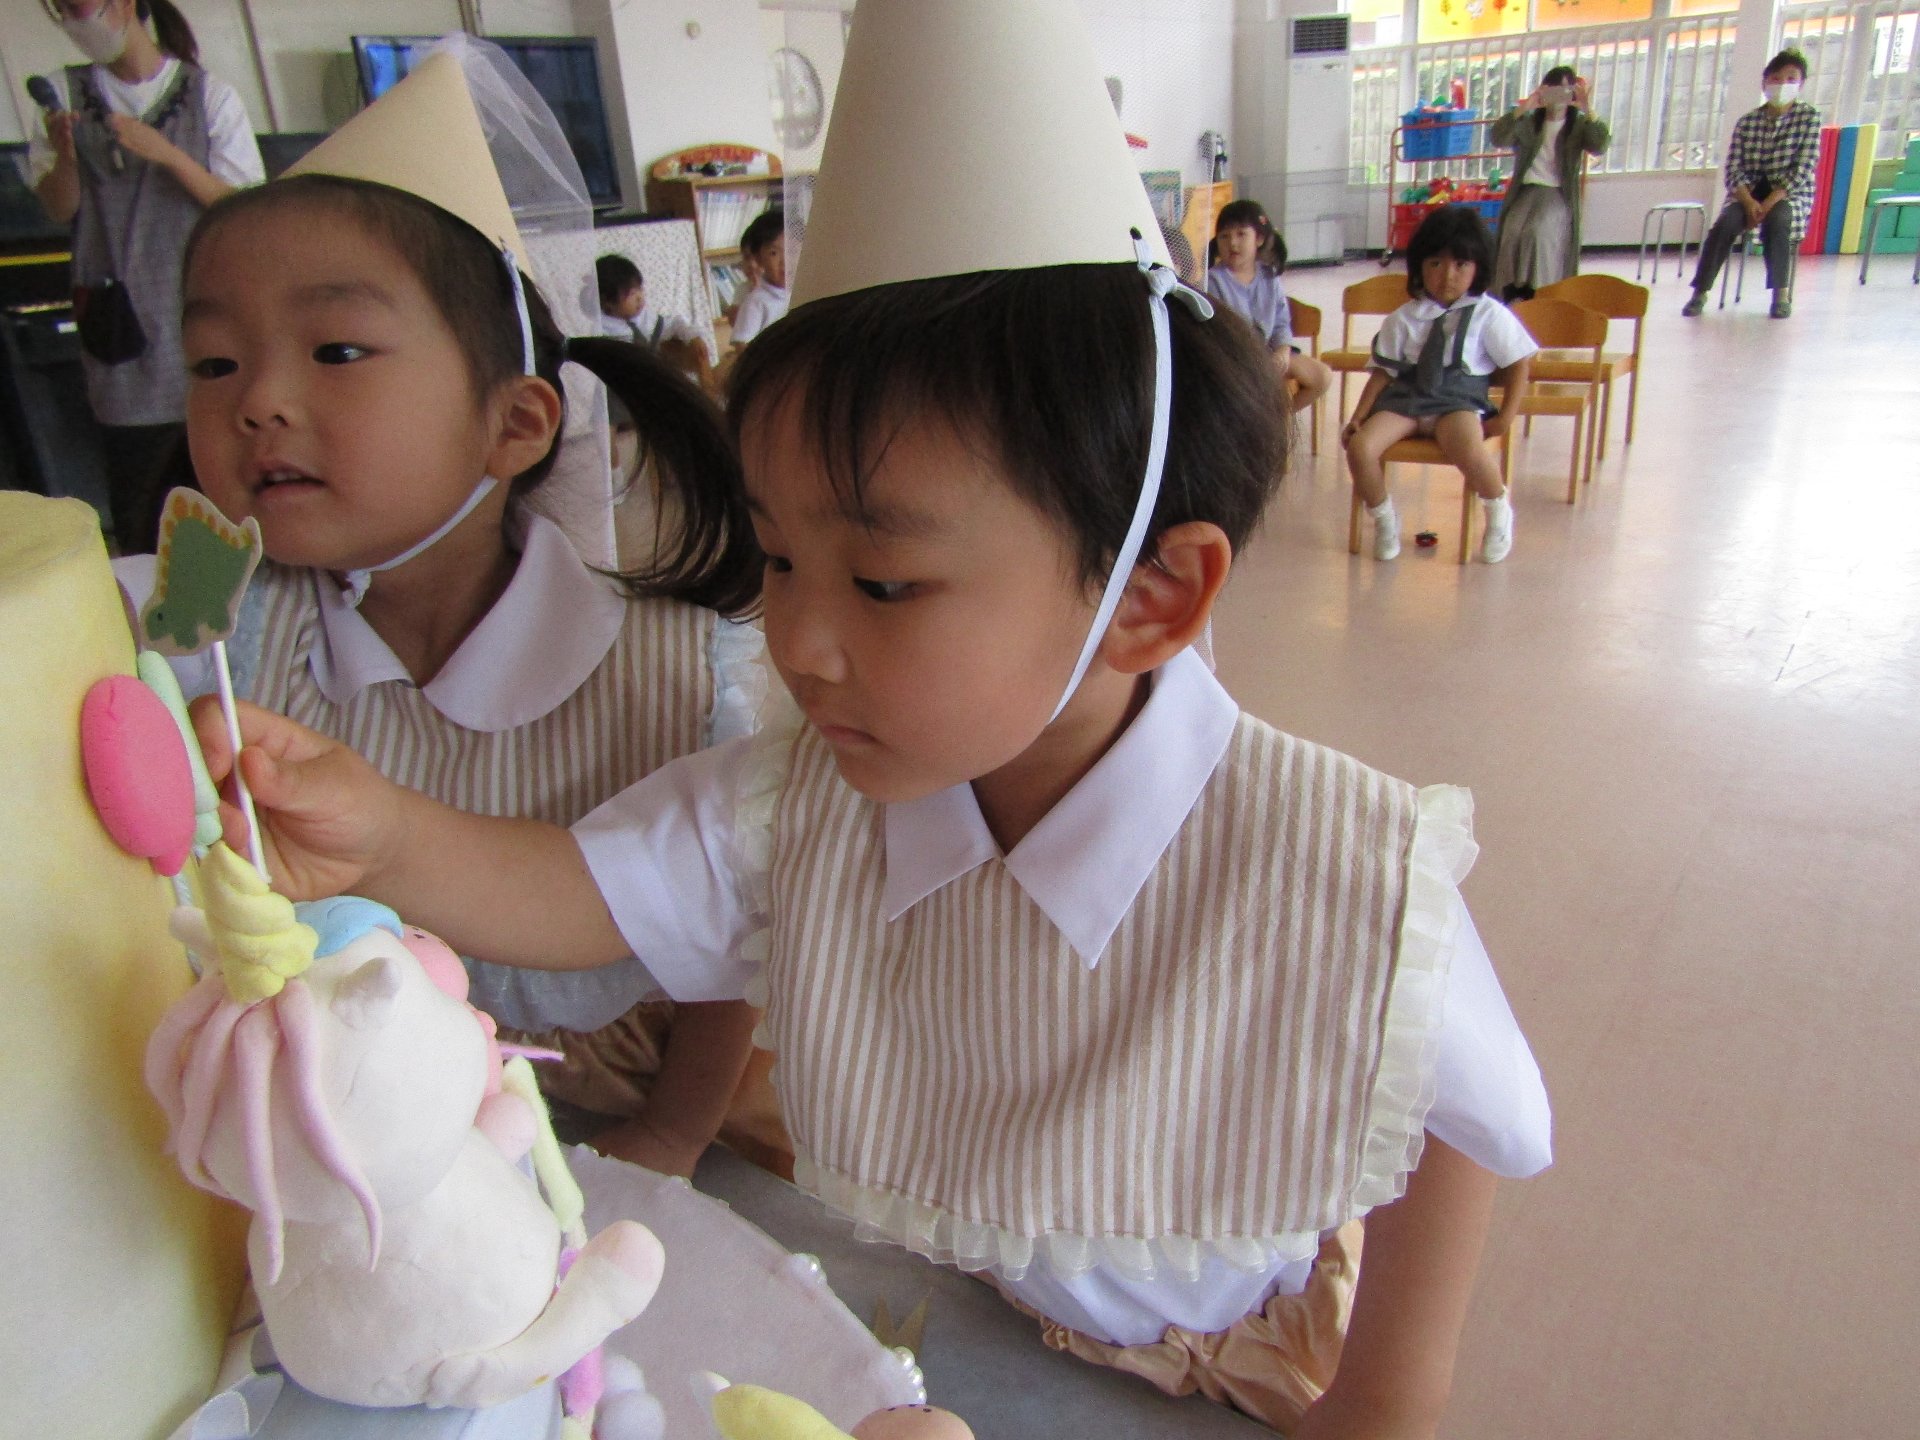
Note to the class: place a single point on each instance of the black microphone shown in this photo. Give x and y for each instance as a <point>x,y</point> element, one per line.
<point>40,90</point>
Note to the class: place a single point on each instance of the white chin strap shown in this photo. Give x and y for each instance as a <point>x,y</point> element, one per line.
<point>357,581</point>
<point>1161,282</point>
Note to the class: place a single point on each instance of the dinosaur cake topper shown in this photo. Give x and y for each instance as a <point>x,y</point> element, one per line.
<point>205,562</point>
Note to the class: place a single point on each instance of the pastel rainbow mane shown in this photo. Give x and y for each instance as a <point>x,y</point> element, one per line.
<point>224,1038</point>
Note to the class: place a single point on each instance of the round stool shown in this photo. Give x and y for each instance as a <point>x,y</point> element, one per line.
<point>1656,220</point>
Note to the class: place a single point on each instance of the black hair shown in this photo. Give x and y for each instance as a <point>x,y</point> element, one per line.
<point>1270,250</point>
<point>615,275</point>
<point>1560,75</point>
<point>1050,372</point>
<point>1458,231</point>
<point>712,559</point>
<point>1787,57</point>
<point>171,32</point>
<point>763,230</point>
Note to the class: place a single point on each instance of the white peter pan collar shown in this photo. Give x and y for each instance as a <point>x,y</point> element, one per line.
<point>538,644</point>
<point>1086,860</point>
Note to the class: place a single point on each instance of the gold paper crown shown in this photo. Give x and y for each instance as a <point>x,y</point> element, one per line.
<point>424,137</point>
<point>970,135</point>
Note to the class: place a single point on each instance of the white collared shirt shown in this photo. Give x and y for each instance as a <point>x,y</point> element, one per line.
<point>543,637</point>
<point>1495,336</point>
<point>648,328</point>
<point>667,857</point>
<point>763,305</point>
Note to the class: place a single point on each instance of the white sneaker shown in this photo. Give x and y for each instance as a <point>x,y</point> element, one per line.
<point>1498,539</point>
<point>1386,530</point>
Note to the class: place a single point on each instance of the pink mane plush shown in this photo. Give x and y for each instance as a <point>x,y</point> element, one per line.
<point>327,1073</point>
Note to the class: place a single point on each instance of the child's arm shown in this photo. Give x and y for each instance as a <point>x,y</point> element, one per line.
<point>1416,1277</point>
<point>706,1054</point>
<point>510,891</point>
<point>1376,382</point>
<point>1512,380</point>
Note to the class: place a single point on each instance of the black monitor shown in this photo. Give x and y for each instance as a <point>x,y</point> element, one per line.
<point>278,150</point>
<point>564,69</point>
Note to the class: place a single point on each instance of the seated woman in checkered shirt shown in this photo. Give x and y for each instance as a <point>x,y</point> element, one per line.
<point>1770,167</point>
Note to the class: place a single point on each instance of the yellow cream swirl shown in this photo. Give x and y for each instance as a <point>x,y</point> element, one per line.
<point>261,944</point>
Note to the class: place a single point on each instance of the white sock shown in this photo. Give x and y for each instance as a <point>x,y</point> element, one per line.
<point>1382,510</point>
<point>1493,502</point>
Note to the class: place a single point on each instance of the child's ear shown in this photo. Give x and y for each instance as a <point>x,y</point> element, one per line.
<point>527,420</point>
<point>1167,604</point>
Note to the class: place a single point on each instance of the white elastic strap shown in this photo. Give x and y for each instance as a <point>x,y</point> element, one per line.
<point>520,309</point>
<point>1160,282</point>
<point>357,581</point>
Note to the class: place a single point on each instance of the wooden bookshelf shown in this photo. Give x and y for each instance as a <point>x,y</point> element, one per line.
<point>720,206</point>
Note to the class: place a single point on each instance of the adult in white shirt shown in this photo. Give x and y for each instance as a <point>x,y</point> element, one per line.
<point>143,142</point>
<point>1551,133</point>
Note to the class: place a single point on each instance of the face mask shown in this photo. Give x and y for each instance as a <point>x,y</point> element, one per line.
<point>96,37</point>
<point>1783,94</point>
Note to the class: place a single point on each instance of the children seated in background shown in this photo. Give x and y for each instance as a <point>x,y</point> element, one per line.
<point>624,312</point>
<point>1244,275</point>
<point>1434,363</point>
<point>764,248</point>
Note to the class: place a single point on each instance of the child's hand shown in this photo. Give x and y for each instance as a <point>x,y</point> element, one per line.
<point>1495,426</point>
<point>1349,430</point>
<point>328,819</point>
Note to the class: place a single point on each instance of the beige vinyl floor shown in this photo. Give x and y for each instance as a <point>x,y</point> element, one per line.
<point>1689,708</point>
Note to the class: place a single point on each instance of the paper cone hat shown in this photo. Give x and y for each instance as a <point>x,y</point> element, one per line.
<point>969,135</point>
<point>424,137</point>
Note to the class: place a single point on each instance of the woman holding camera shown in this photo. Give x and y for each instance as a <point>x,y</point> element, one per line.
<point>142,141</point>
<point>1551,133</point>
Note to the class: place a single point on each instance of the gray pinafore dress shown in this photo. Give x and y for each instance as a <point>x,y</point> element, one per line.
<point>132,227</point>
<point>1438,383</point>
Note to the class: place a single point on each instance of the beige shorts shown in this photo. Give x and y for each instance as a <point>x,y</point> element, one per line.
<point>607,1074</point>
<point>1271,1365</point>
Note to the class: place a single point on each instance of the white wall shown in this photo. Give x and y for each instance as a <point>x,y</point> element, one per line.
<point>691,73</point>
<point>1175,62</point>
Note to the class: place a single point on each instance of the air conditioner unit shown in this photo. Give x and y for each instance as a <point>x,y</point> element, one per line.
<point>1314,205</point>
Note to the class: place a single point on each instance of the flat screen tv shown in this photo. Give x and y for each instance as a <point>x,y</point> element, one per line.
<point>564,69</point>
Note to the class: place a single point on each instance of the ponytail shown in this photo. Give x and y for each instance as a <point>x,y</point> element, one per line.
<point>710,557</point>
<point>171,30</point>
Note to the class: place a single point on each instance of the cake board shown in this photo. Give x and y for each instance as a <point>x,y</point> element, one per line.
<point>982,1359</point>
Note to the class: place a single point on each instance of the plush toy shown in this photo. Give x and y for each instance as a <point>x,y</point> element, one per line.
<point>751,1412</point>
<point>326,1073</point>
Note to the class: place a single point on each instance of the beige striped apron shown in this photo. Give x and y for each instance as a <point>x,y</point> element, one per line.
<point>648,702</point>
<point>1209,1081</point>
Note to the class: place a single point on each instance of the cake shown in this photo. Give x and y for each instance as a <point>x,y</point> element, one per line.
<point>124,1281</point>
<point>121,1278</point>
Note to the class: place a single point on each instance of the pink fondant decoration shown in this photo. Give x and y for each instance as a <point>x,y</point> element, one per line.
<point>138,772</point>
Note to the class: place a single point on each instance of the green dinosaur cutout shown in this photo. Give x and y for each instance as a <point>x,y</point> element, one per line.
<point>205,562</point>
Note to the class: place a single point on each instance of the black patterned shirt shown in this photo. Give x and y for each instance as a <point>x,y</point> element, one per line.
<point>1781,148</point>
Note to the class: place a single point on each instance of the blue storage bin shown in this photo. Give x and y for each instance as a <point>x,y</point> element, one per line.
<point>1489,209</point>
<point>1428,138</point>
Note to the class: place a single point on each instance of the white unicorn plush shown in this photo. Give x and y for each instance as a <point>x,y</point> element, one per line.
<point>356,1105</point>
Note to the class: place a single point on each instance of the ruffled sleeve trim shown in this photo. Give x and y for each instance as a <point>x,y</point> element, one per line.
<point>737,660</point>
<point>1403,1086</point>
<point>887,1216</point>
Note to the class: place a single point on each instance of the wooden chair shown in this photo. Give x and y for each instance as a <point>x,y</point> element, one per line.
<point>1616,299</point>
<point>1305,321</point>
<point>1417,450</point>
<point>1378,295</point>
<point>1563,327</point>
